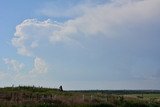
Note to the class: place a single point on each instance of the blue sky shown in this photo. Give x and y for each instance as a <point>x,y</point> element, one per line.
<point>80,44</point>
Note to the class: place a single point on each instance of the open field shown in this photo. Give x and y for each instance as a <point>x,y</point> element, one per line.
<point>146,96</point>
<point>24,96</point>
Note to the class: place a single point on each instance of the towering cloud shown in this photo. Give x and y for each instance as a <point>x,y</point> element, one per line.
<point>110,19</point>
<point>30,32</point>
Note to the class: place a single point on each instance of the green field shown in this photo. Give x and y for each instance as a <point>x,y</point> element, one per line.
<point>145,95</point>
<point>26,96</point>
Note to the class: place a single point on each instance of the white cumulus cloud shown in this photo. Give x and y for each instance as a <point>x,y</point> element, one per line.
<point>30,32</point>
<point>110,19</point>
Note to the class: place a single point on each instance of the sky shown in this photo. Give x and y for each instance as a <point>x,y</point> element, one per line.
<point>80,44</point>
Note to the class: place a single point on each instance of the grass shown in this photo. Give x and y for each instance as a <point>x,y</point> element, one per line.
<point>144,96</point>
<point>29,96</point>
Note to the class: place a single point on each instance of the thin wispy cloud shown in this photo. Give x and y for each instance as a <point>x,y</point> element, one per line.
<point>13,64</point>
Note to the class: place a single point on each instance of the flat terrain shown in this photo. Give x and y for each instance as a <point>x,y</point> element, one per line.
<point>27,96</point>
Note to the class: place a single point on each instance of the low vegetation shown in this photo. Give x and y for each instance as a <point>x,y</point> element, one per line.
<point>30,96</point>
